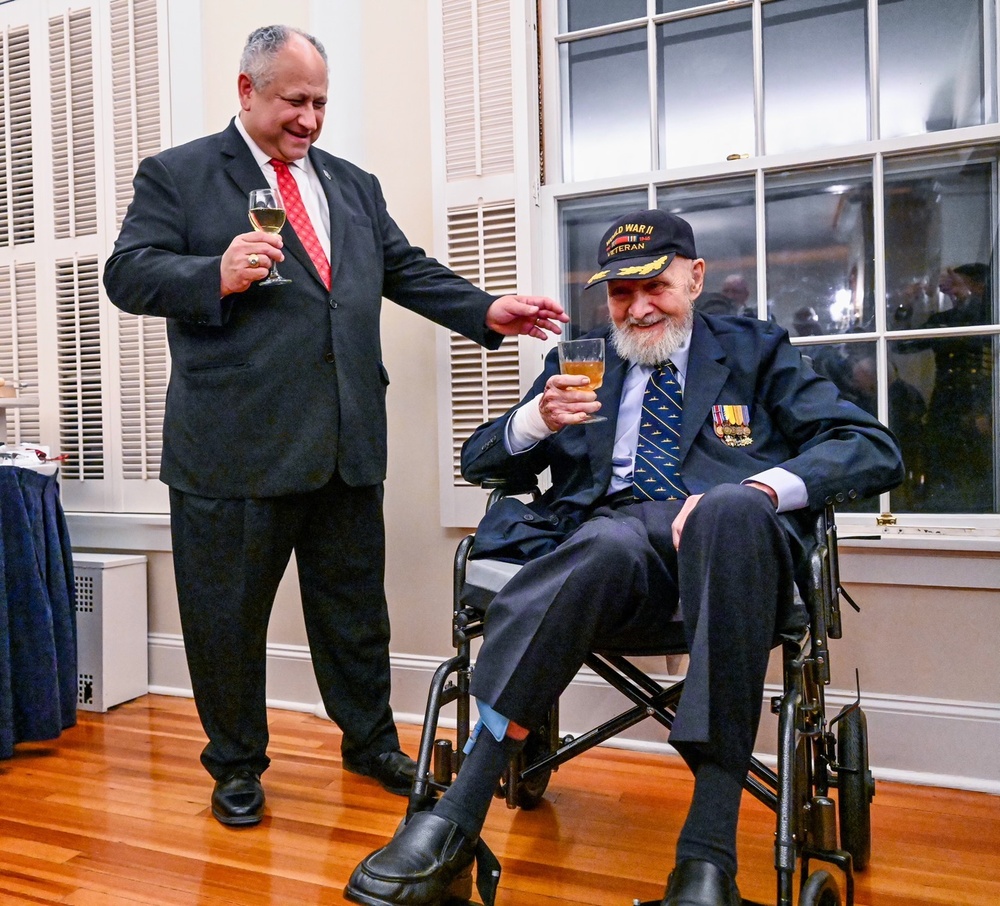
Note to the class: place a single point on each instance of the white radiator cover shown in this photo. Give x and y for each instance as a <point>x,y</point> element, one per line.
<point>111,629</point>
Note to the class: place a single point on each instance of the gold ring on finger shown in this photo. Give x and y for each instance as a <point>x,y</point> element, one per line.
<point>254,260</point>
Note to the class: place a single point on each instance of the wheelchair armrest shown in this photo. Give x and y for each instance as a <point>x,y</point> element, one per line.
<point>501,486</point>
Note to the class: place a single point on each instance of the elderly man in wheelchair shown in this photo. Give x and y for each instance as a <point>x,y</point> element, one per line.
<point>679,517</point>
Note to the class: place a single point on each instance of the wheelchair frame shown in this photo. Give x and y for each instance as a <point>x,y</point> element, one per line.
<point>811,759</point>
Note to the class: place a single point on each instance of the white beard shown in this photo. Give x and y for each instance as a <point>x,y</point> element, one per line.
<point>633,344</point>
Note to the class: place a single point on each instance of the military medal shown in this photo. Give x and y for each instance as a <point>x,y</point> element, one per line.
<point>732,425</point>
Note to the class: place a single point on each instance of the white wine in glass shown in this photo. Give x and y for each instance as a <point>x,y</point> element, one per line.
<point>584,357</point>
<point>267,215</point>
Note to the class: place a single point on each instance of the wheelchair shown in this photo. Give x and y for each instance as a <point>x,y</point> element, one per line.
<point>816,756</point>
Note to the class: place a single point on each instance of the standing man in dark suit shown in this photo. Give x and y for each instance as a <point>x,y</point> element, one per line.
<point>648,510</point>
<point>275,424</point>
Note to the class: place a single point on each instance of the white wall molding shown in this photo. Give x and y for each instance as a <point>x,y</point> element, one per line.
<point>925,741</point>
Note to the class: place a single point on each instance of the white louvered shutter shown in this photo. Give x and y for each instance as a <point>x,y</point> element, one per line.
<point>95,67</point>
<point>143,360</point>
<point>479,222</point>
<point>18,284</point>
<point>484,384</point>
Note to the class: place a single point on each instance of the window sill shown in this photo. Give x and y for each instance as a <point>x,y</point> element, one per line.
<point>119,531</point>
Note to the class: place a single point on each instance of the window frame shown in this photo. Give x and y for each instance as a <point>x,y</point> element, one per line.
<point>948,528</point>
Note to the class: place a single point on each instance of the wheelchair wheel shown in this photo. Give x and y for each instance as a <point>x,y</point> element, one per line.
<point>529,794</point>
<point>820,889</point>
<point>856,787</point>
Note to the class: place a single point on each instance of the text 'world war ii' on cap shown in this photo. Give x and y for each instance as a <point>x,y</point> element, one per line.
<point>642,245</point>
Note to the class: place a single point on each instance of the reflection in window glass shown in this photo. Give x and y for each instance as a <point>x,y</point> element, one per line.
<point>820,252</point>
<point>853,368</point>
<point>575,15</point>
<point>606,106</point>
<point>931,66</point>
<point>940,238</point>
<point>705,79</point>
<point>951,457</point>
<point>815,74</point>
<point>582,223</point>
<point>721,215</point>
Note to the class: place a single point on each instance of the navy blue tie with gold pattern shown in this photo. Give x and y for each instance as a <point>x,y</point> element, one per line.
<point>656,475</point>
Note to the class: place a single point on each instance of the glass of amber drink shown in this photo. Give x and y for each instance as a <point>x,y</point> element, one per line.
<point>267,215</point>
<point>584,357</point>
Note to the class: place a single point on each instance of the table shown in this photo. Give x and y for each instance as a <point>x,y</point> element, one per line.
<point>38,669</point>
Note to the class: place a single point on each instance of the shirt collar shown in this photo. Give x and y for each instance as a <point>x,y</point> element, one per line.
<point>263,158</point>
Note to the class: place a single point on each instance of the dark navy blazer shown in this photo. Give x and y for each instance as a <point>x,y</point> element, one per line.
<point>798,421</point>
<point>275,389</point>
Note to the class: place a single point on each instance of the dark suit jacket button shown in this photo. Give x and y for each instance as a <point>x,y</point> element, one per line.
<point>828,501</point>
<point>333,303</point>
<point>840,498</point>
<point>330,357</point>
<point>529,517</point>
<point>852,494</point>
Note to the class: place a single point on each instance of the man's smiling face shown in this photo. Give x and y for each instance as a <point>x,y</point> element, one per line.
<point>284,113</point>
<point>652,317</point>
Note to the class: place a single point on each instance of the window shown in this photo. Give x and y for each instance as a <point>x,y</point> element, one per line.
<point>839,161</point>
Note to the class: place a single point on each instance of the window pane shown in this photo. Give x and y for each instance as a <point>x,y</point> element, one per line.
<point>820,252</point>
<point>606,106</point>
<point>578,14</point>
<point>582,223</point>
<point>931,66</point>
<point>705,79</point>
<point>853,368</point>
<point>940,240</point>
<point>673,6</point>
<point>815,74</point>
<point>951,454</point>
<point>721,215</point>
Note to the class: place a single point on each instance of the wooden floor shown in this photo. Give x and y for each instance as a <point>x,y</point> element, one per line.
<point>116,812</point>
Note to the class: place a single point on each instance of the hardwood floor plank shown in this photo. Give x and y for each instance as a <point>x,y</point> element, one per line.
<point>115,813</point>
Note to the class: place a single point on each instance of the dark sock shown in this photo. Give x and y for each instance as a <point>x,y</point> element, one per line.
<point>467,800</point>
<point>709,832</point>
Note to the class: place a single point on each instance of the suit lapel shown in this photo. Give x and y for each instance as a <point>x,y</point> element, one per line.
<point>338,213</point>
<point>705,378</point>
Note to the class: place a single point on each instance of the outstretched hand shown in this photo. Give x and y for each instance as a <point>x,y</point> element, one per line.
<point>528,315</point>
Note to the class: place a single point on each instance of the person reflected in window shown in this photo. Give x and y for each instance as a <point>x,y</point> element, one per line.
<point>852,367</point>
<point>958,424</point>
<point>805,322</point>
<point>274,436</point>
<point>680,518</point>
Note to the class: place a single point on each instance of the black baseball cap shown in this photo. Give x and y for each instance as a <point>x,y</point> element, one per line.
<point>642,245</point>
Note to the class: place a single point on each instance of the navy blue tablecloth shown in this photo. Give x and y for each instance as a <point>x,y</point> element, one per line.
<point>38,671</point>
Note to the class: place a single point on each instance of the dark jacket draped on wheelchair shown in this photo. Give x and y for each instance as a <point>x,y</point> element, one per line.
<point>798,421</point>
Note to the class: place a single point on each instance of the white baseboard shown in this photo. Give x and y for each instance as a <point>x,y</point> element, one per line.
<point>925,741</point>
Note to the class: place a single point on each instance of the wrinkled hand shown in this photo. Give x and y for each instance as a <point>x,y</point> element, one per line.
<point>237,272</point>
<point>565,401</point>
<point>530,315</point>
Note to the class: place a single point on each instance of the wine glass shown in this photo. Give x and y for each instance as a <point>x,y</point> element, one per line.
<point>584,357</point>
<point>267,214</point>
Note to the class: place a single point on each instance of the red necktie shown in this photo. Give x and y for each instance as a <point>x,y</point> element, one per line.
<point>298,217</point>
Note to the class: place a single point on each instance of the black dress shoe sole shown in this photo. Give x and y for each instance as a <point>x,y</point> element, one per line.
<point>236,820</point>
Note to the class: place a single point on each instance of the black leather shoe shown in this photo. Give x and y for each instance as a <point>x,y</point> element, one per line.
<point>695,882</point>
<point>394,770</point>
<point>428,861</point>
<point>238,800</point>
